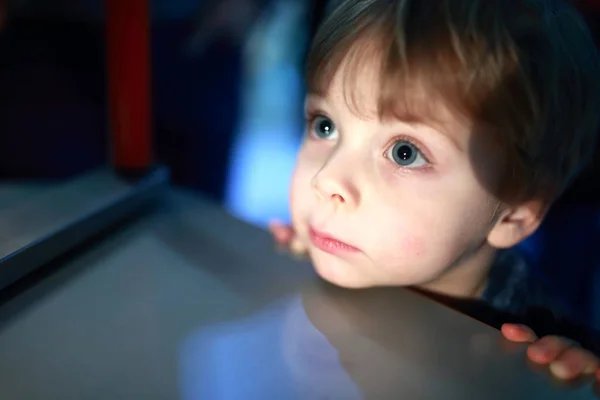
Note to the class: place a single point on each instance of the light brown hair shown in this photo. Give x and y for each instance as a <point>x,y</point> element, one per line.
<point>527,68</point>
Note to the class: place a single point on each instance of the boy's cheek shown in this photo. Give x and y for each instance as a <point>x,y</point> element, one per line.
<point>299,201</point>
<point>408,252</point>
<point>414,246</point>
<point>312,156</point>
<point>301,194</point>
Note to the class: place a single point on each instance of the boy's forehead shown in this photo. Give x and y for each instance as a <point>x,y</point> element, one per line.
<point>357,85</point>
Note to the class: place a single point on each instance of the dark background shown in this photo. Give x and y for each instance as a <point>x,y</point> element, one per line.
<point>226,112</point>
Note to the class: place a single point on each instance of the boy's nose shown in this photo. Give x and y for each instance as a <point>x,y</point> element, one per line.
<point>336,189</point>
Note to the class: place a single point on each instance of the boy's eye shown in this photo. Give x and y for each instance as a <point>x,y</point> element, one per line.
<point>323,128</point>
<point>406,155</point>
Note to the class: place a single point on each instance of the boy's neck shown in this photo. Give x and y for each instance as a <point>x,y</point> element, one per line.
<point>468,279</point>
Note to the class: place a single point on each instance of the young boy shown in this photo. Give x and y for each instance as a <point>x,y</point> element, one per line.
<point>439,132</point>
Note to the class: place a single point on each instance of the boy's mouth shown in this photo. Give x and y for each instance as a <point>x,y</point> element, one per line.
<point>327,243</point>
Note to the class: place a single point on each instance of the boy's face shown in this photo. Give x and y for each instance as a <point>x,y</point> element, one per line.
<point>405,198</point>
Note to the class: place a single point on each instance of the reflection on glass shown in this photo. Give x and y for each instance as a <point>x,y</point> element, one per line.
<point>330,343</point>
<point>275,353</point>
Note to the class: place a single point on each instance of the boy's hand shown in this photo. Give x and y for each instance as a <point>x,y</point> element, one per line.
<point>565,359</point>
<point>285,237</point>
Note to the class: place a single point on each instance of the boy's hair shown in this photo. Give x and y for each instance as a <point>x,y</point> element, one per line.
<point>527,69</point>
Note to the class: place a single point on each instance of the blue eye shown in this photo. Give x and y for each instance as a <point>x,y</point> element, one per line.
<point>323,128</point>
<point>406,154</point>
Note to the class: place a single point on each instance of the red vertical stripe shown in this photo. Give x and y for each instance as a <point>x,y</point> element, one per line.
<point>128,58</point>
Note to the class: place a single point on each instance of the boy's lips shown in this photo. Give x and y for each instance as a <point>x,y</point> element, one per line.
<point>329,244</point>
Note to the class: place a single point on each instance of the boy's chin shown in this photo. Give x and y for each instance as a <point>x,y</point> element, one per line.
<point>346,275</point>
<point>341,274</point>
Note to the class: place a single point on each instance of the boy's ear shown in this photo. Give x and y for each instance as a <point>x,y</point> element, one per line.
<point>514,224</point>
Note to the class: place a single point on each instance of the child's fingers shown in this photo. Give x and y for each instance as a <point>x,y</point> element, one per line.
<point>297,248</point>
<point>565,360</point>
<point>283,234</point>
<point>548,349</point>
<point>518,333</point>
<point>573,363</point>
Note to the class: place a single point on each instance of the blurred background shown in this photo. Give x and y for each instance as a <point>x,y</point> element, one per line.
<point>227,93</point>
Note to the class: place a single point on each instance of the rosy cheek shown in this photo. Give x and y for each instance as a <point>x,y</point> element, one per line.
<point>413,246</point>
